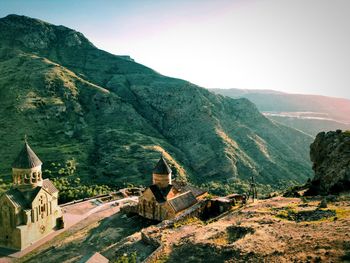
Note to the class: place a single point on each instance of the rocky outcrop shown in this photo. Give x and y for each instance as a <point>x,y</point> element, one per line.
<point>330,154</point>
<point>37,34</point>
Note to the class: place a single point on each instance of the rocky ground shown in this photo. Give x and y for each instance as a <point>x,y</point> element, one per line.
<point>279,229</point>
<point>275,230</point>
<point>93,234</point>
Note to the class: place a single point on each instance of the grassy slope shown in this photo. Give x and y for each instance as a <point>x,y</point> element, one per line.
<point>114,116</point>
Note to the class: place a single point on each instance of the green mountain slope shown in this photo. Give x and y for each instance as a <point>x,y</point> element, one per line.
<point>113,116</point>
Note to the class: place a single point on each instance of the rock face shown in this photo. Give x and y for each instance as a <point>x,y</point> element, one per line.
<point>330,154</point>
<point>113,116</point>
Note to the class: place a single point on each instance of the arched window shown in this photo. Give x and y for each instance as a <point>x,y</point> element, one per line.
<point>33,178</point>
<point>144,205</point>
<point>32,214</point>
<point>42,206</point>
<point>26,178</point>
<point>15,179</point>
<point>153,210</point>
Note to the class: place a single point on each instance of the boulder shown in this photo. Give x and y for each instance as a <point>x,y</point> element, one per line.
<point>330,154</point>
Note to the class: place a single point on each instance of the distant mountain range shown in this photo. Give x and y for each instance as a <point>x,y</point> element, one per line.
<point>309,113</point>
<point>113,117</point>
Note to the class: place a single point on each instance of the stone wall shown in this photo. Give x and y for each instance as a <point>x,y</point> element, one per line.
<point>156,255</point>
<point>147,237</point>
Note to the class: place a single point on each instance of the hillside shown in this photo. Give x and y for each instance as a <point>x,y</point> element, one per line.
<point>110,117</point>
<point>308,113</point>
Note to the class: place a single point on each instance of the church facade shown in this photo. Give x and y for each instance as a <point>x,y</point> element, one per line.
<point>29,210</point>
<point>165,198</point>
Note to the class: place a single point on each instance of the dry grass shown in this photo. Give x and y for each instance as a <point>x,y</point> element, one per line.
<point>255,233</point>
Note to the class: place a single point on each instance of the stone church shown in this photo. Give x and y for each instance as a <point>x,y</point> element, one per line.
<point>29,210</point>
<point>165,198</point>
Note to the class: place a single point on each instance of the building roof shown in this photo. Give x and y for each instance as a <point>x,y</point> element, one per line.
<point>49,186</point>
<point>162,167</point>
<point>184,187</point>
<point>182,201</point>
<point>160,194</point>
<point>16,197</point>
<point>95,258</point>
<point>24,199</point>
<point>31,194</point>
<point>26,158</point>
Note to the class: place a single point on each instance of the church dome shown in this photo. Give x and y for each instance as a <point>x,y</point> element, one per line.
<point>26,159</point>
<point>162,174</point>
<point>162,167</point>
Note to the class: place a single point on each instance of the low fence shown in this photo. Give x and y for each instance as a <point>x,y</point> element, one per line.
<point>156,255</point>
<point>129,209</point>
<point>110,196</point>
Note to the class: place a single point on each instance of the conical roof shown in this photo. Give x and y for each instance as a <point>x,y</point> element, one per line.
<point>26,159</point>
<point>162,167</point>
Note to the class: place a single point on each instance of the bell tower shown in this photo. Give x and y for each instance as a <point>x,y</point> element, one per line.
<point>26,169</point>
<point>162,174</point>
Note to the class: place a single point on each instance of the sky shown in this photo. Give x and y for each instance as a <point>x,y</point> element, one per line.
<point>295,46</point>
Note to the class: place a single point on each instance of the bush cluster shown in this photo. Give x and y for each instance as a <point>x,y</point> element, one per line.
<point>69,185</point>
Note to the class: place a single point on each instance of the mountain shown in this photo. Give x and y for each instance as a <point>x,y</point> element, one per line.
<point>309,113</point>
<point>106,118</point>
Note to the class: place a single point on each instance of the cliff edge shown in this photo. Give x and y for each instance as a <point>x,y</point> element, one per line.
<point>330,154</point>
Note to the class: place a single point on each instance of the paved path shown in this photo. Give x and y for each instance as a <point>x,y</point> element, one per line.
<point>72,215</point>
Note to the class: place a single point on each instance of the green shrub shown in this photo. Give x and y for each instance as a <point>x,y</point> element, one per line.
<point>187,221</point>
<point>57,169</point>
<point>127,258</point>
<point>70,188</point>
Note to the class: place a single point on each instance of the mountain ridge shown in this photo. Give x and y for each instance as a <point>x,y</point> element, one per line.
<point>113,116</point>
<point>237,91</point>
<point>309,113</point>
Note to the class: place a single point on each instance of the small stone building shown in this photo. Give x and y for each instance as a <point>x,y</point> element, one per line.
<point>29,210</point>
<point>94,258</point>
<point>165,198</point>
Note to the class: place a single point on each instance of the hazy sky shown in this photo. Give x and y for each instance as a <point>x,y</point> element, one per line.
<point>297,46</point>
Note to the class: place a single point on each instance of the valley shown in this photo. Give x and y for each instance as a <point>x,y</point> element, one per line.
<point>308,113</point>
